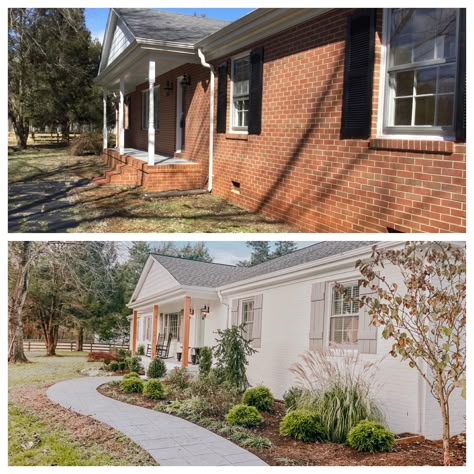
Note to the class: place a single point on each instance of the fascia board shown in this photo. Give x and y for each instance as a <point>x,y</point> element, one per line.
<point>109,29</point>
<point>254,27</point>
<point>303,271</point>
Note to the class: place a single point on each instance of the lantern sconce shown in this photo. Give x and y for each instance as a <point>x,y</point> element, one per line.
<point>169,87</point>
<point>205,311</point>
<point>186,80</point>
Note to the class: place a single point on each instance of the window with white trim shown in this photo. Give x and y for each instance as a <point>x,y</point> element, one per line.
<point>145,107</point>
<point>240,93</point>
<point>147,328</point>
<point>248,317</point>
<point>421,64</point>
<point>344,316</point>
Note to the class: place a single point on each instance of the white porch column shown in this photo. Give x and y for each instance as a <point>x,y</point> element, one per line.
<point>121,127</point>
<point>151,113</point>
<point>104,130</point>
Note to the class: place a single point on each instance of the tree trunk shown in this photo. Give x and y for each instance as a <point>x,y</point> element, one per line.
<point>22,129</point>
<point>50,332</point>
<point>80,339</point>
<point>15,317</point>
<point>445,414</point>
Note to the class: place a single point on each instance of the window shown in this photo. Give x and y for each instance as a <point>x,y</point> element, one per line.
<point>171,325</point>
<point>147,329</point>
<point>145,104</point>
<point>421,71</point>
<point>248,317</point>
<point>240,93</point>
<point>344,317</point>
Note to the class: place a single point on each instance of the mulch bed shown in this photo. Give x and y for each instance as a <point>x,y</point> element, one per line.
<point>286,451</point>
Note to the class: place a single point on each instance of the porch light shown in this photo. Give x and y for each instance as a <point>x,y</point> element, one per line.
<point>169,87</point>
<point>205,311</point>
<point>186,80</point>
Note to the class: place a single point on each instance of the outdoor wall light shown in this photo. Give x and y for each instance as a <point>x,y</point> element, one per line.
<point>205,311</point>
<point>169,87</point>
<point>186,80</point>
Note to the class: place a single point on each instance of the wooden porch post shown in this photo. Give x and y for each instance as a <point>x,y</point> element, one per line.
<point>104,129</point>
<point>121,124</point>
<point>154,332</point>
<point>187,319</point>
<point>151,113</point>
<point>134,331</point>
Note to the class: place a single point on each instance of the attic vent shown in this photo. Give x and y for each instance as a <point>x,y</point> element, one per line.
<point>235,187</point>
<point>391,230</point>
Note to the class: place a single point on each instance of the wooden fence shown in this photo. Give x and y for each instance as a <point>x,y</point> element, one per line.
<point>39,345</point>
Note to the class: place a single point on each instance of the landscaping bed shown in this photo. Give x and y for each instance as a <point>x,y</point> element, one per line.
<point>287,452</point>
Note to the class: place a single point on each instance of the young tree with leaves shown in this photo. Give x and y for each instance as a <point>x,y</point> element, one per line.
<point>425,316</point>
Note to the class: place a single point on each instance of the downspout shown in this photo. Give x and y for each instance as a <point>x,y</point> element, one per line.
<point>221,301</point>
<point>211,118</point>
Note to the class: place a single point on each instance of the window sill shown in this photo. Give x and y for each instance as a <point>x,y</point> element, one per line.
<point>412,145</point>
<point>237,136</point>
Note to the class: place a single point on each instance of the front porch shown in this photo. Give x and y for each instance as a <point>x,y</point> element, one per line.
<point>171,364</point>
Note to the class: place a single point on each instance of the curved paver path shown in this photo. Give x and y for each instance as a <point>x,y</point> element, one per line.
<point>170,440</point>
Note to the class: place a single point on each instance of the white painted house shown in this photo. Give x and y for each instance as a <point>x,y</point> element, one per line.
<point>291,307</point>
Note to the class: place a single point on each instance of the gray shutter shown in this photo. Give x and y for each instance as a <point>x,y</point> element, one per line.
<point>367,332</point>
<point>316,325</point>
<point>257,321</point>
<point>235,313</point>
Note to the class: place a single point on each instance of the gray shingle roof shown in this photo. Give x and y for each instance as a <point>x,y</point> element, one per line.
<point>212,275</point>
<point>161,25</point>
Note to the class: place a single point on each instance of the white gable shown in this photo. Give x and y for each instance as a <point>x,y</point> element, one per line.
<point>156,281</point>
<point>120,41</point>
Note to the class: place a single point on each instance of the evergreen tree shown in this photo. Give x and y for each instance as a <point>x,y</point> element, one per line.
<point>283,247</point>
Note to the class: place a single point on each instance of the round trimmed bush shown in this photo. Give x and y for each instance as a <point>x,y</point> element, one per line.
<point>153,389</point>
<point>131,375</point>
<point>244,415</point>
<point>303,425</point>
<point>114,366</point>
<point>132,385</point>
<point>156,369</point>
<point>259,397</point>
<point>370,436</point>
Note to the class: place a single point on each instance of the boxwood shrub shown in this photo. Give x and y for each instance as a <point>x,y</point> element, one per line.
<point>132,385</point>
<point>371,437</point>
<point>244,415</point>
<point>303,425</point>
<point>259,397</point>
<point>131,375</point>
<point>156,369</point>
<point>153,389</point>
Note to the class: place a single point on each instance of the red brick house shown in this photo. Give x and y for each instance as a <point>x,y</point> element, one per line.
<point>334,120</point>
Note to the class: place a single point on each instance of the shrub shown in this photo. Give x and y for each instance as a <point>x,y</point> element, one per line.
<point>156,369</point>
<point>259,397</point>
<point>153,389</point>
<point>141,350</point>
<point>134,364</point>
<point>131,375</point>
<point>86,144</point>
<point>114,366</point>
<point>205,360</point>
<point>371,437</point>
<point>303,425</point>
<point>122,354</point>
<point>189,408</point>
<point>122,365</point>
<point>291,397</point>
<point>244,415</point>
<point>178,378</point>
<point>101,356</point>
<point>132,385</point>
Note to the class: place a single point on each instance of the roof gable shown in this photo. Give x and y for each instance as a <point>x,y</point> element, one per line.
<point>120,40</point>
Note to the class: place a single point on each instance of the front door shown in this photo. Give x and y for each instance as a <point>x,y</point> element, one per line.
<point>180,115</point>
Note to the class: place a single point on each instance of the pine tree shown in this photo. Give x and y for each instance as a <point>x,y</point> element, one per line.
<point>284,247</point>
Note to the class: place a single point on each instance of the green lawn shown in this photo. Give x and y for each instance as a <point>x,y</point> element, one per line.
<point>41,433</point>
<point>110,209</point>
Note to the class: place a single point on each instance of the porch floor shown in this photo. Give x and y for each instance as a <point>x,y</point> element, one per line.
<point>159,159</point>
<point>171,364</point>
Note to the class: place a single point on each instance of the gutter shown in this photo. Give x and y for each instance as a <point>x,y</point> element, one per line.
<point>211,118</point>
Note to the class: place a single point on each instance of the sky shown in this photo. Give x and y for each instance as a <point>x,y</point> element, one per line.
<point>229,253</point>
<point>96,18</point>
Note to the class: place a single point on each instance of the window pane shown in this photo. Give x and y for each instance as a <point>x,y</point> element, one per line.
<point>426,81</point>
<point>446,80</point>
<point>402,115</point>
<point>445,109</point>
<point>424,110</point>
<point>344,330</point>
<point>401,36</point>
<point>404,83</point>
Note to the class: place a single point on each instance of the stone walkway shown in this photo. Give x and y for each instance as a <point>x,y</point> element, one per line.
<point>170,440</point>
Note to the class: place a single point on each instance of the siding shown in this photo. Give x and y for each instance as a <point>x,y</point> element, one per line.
<point>157,281</point>
<point>120,41</point>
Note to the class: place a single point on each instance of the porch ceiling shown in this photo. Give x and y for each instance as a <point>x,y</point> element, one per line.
<point>132,64</point>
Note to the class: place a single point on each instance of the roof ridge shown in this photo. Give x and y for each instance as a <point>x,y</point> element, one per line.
<point>193,260</point>
<point>175,13</point>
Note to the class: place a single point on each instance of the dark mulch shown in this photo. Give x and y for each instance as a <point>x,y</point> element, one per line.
<point>286,451</point>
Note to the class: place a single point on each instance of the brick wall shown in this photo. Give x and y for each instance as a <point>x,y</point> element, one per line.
<point>299,171</point>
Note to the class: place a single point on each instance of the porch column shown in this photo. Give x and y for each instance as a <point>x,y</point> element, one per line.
<point>151,113</point>
<point>154,332</point>
<point>187,320</point>
<point>121,127</point>
<point>134,331</point>
<point>104,130</point>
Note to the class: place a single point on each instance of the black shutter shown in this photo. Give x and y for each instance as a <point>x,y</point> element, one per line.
<point>461,80</point>
<point>222,98</point>
<point>358,75</point>
<point>255,96</point>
